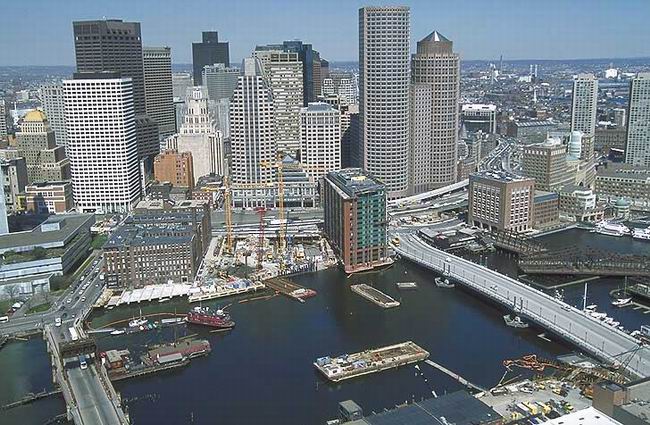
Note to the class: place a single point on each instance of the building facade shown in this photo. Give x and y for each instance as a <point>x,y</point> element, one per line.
<point>14,180</point>
<point>610,138</point>
<point>220,81</point>
<point>637,145</point>
<point>174,167</point>
<point>579,203</point>
<point>547,164</point>
<point>52,100</point>
<point>3,121</point>
<point>584,106</point>
<point>102,146</point>
<point>320,139</point>
<point>354,204</point>
<point>158,91</point>
<point>350,151</point>
<point>208,52</point>
<point>546,210</point>
<point>623,181</point>
<point>384,34</point>
<point>500,201</point>
<point>53,197</point>
<point>479,117</point>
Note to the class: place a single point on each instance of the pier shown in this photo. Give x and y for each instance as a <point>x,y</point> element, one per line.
<point>370,361</point>
<point>375,295</point>
<point>289,288</point>
<point>211,292</point>
<point>455,376</point>
<point>30,398</point>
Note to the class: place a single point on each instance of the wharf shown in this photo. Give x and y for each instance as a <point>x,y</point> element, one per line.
<point>370,361</point>
<point>149,293</point>
<point>289,288</point>
<point>374,295</point>
<point>220,290</point>
<point>119,375</point>
<point>30,398</point>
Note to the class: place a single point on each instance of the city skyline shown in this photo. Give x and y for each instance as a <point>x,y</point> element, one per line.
<point>558,31</point>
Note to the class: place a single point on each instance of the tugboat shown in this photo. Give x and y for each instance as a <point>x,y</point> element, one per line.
<point>204,316</point>
<point>515,322</point>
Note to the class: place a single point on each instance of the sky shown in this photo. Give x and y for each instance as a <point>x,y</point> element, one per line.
<point>39,32</point>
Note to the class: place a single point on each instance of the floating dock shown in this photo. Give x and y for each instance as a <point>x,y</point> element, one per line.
<point>374,295</point>
<point>370,361</point>
<point>228,289</point>
<point>290,288</point>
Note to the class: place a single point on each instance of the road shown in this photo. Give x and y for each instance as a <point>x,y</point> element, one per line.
<point>578,328</point>
<point>93,404</point>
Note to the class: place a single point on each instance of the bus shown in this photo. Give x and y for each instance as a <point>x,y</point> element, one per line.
<point>73,334</point>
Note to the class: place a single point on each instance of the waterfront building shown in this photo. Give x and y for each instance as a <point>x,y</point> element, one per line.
<point>579,203</point>
<point>384,34</point>
<point>102,146</point>
<point>220,81</point>
<point>624,181</point>
<point>607,138</point>
<point>320,139</point>
<point>208,52</point>
<point>52,99</point>
<point>30,259</point>
<point>547,163</point>
<point>584,105</point>
<point>283,73</point>
<point>637,145</point>
<point>157,244</point>
<point>174,167</point>
<point>37,144</point>
<point>546,210</point>
<point>199,136</point>
<point>13,182</point>
<point>479,117</point>
<point>50,197</point>
<point>158,89</point>
<point>354,203</point>
<point>500,201</point>
<point>3,121</point>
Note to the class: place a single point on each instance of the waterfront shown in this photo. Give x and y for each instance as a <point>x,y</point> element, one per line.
<point>262,371</point>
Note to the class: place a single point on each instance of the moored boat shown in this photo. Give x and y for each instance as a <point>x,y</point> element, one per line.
<point>206,317</point>
<point>515,321</point>
<point>622,302</point>
<point>611,229</point>
<point>642,234</point>
<point>443,283</point>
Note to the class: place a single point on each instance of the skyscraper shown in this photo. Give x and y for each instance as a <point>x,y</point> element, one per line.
<point>4,225</point>
<point>283,73</point>
<point>220,81</point>
<point>435,74</point>
<point>320,138</point>
<point>102,147</point>
<point>384,95</point>
<point>158,91</point>
<point>583,111</point>
<point>208,52</point>
<point>36,142</point>
<point>3,121</point>
<point>637,146</point>
<point>52,99</point>
<point>252,132</point>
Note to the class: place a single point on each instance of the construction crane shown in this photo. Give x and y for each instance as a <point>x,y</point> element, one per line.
<point>227,203</point>
<point>260,247</point>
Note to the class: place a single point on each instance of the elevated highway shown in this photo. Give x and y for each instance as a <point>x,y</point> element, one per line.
<point>591,335</point>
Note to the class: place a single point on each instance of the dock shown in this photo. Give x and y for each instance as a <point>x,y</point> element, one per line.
<point>455,376</point>
<point>30,398</point>
<point>289,288</point>
<point>227,289</point>
<point>349,366</point>
<point>149,293</point>
<point>374,295</point>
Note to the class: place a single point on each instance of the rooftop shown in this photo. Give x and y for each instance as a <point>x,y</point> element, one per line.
<point>56,231</point>
<point>588,416</point>
<point>35,116</point>
<point>317,107</point>
<point>355,181</point>
<point>479,107</point>
<point>625,171</point>
<point>534,123</point>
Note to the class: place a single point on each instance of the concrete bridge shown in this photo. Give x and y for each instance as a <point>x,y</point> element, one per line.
<point>594,337</point>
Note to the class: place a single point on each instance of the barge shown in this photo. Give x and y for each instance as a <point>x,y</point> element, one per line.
<point>375,295</point>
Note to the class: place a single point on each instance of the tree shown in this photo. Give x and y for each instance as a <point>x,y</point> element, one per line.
<point>39,253</point>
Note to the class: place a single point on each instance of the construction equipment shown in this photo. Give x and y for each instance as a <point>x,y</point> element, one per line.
<point>227,203</point>
<point>260,247</point>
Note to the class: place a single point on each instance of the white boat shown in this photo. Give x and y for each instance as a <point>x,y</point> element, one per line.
<point>406,285</point>
<point>611,229</point>
<point>591,307</point>
<point>643,234</point>
<point>621,302</point>
<point>118,332</point>
<point>597,315</point>
<point>515,321</point>
<point>443,283</point>
<point>138,323</point>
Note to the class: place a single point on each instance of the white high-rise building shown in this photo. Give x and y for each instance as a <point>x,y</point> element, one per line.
<point>102,146</point>
<point>320,139</point>
<point>583,111</point>
<point>3,120</point>
<point>252,131</point>
<point>384,81</point>
<point>4,225</point>
<point>220,81</point>
<point>435,73</point>
<point>637,147</point>
<point>158,89</point>
<point>52,99</point>
<point>199,135</point>
<point>283,72</point>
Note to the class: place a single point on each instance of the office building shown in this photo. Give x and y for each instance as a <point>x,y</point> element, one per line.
<point>148,139</point>
<point>14,180</point>
<point>500,201</point>
<point>435,74</point>
<point>220,81</point>
<point>37,144</point>
<point>158,89</point>
<point>283,73</point>
<point>199,136</point>
<point>354,204</point>
<point>102,146</point>
<point>52,100</point>
<point>546,210</point>
<point>344,84</point>
<point>623,181</point>
<point>208,52</point>
<point>158,244</point>
<point>174,167</point>
<point>607,138</point>
<point>49,197</point>
<point>180,83</point>
<point>547,163</point>
<point>384,34</point>
<point>530,128</point>
<point>479,117</point>
<point>3,121</point>
<point>583,111</point>
<point>350,151</point>
<point>320,139</point>
<point>252,131</point>
<point>620,117</point>
<point>579,203</point>
<point>637,145</point>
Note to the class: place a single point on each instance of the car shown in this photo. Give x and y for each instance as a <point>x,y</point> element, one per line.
<point>69,300</point>
<point>83,299</point>
<point>62,307</point>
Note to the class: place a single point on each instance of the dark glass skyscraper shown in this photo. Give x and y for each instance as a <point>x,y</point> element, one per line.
<point>208,52</point>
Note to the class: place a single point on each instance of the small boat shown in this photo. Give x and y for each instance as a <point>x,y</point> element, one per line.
<point>515,321</point>
<point>443,283</point>
<point>138,323</point>
<point>162,300</point>
<point>118,332</point>
<point>591,307</point>
<point>642,234</point>
<point>407,285</point>
<point>597,315</point>
<point>621,302</point>
<point>611,229</point>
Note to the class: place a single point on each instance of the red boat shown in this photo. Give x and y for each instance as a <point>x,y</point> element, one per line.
<point>204,316</point>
